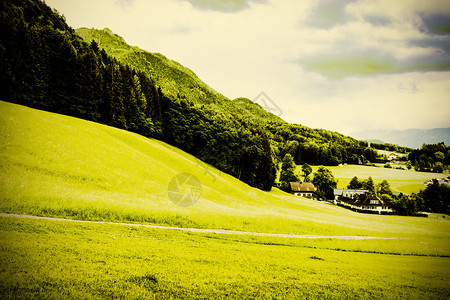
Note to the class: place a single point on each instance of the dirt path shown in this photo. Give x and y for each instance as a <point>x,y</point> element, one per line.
<point>219,231</point>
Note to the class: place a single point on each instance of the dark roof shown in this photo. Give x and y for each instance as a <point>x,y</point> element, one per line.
<point>368,199</point>
<point>302,187</point>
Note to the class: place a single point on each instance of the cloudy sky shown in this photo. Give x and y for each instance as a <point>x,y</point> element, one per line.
<point>343,65</point>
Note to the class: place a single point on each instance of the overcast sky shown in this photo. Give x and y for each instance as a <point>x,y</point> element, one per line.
<point>346,66</point>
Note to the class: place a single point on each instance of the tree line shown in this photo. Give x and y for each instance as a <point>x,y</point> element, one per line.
<point>430,158</point>
<point>315,146</point>
<point>390,147</point>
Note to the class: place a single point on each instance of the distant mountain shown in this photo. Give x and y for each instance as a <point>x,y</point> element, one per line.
<point>412,138</point>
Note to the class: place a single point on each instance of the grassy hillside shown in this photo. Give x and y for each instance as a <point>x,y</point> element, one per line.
<point>173,78</point>
<point>62,166</point>
<point>404,181</point>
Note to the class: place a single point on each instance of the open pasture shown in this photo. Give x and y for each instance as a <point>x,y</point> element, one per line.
<point>59,166</point>
<point>404,181</point>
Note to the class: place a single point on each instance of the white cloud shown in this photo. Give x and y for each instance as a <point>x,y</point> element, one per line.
<point>224,6</point>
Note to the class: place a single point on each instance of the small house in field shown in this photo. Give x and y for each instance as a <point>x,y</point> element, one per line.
<point>303,189</point>
<point>366,203</point>
<point>393,156</point>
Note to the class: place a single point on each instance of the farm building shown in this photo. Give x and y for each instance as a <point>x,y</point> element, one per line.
<point>366,203</point>
<point>303,189</point>
<point>393,156</point>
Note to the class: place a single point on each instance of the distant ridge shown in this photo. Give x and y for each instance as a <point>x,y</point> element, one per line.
<point>412,138</point>
<point>374,141</point>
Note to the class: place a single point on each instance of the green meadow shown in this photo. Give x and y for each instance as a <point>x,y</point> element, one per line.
<point>53,259</point>
<point>59,166</point>
<point>404,181</point>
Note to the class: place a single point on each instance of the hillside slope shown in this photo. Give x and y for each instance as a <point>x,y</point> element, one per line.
<point>54,165</point>
<point>174,79</point>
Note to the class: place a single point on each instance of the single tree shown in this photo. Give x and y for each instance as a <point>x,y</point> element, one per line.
<point>354,184</point>
<point>369,185</point>
<point>408,165</point>
<point>384,188</point>
<point>325,182</point>
<point>287,174</point>
<point>306,169</point>
<point>438,167</point>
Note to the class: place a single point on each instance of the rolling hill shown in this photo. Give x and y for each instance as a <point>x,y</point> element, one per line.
<point>55,165</point>
<point>59,165</point>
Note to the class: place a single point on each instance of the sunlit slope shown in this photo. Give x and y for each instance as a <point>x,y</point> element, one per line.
<point>67,167</point>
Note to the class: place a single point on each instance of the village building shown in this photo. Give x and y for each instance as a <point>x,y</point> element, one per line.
<point>361,201</point>
<point>303,189</point>
<point>393,156</point>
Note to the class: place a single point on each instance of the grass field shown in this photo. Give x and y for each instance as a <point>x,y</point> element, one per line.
<point>52,259</point>
<point>53,165</point>
<point>405,181</point>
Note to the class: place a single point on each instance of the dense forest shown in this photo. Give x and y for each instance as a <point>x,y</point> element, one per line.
<point>47,65</point>
<point>430,158</point>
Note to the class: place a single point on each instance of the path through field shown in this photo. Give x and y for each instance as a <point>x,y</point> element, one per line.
<point>200,230</point>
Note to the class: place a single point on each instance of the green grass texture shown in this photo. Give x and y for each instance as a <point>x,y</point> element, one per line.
<point>55,260</point>
<point>54,165</point>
